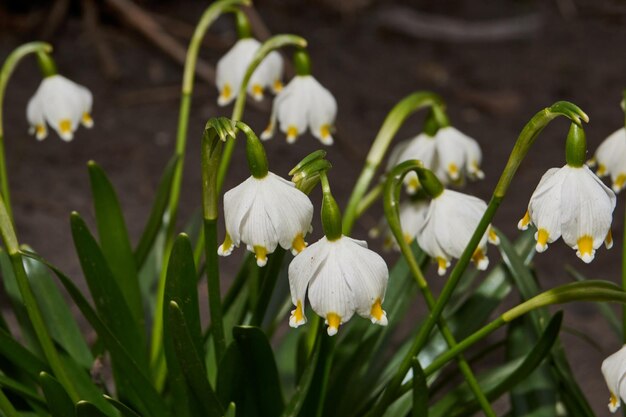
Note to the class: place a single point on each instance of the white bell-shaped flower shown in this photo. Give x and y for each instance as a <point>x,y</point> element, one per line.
<point>450,154</point>
<point>60,103</point>
<point>449,224</point>
<point>264,213</point>
<point>571,202</point>
<point>342,277</point>
<point>303,104</point>
<point>614,371</point>
<point>412,216</point>
<point>611,159</point>
<point>232,67</point>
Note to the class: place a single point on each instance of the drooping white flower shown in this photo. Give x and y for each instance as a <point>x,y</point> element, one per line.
<point>303,104</point>
<point>450,154</point>
<point>611,159</point>
<point>342,277</point>
<point>614,370</point>
<point>448,227</point>
<point>62,104</point>
<point>412,215</point>
<point>232,67</point>
<point>574,203</point>
<point>264,213</point>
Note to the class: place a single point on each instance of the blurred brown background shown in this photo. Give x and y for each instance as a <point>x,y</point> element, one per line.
<point>496,63</point>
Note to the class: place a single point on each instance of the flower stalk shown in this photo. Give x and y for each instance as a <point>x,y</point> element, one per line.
<point>387,132</point>
<point>41,49</point>
<point>525,140</point>
<point>623,105</point>
<point>391,201</point>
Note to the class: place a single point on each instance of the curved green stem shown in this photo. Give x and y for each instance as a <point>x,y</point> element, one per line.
<point>525,140</point>
<point>206,20</point>
<point>273,43</point>
<point>391,202</point>
<point>30,303</point>
<point>5,74</point>
<point>369,199</point>
<point>387,132</point>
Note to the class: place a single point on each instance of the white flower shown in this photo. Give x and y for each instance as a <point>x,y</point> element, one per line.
<point>614,371</point>
<point>342,277</point>
<point>450,154</point>
<point>264,213</point>
<point>62,104</point>
<point>574,203</point>
<point>412,215</point>
<point>232,67</point>
<point>611,159</point>
<point>448,227</point>
<point>303,103</point>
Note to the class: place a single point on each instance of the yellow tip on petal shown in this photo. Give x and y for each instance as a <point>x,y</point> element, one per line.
<point>86,120</point>
<point>277,86</point>
<point>261,255</point>
<point>613,403</point>
<point>407,238</point>
<point>333,321</point>
<point>542,237</point>
<point>608,240</point>
<point>65,129</point>
<point>377,313</point>
<point>475,169</point>
<point>412,185</point>
<point>226,93</point>
<point>493,237</point>
<point>268,132</point>
<point>453,171</point>
<point>585,248</point>
<point>298,244</point>
<point>524,222</point>
<point>619,182</point>
<point>297,316</point>
<point>41,132</point>
<point>226,248</point>
<point>292,134</point>
<point>325,136</point>
<point>592,162</point>
<point>601,170</point>
<point>257,92</point>
<point>480,260</point>
<point>442,264</point>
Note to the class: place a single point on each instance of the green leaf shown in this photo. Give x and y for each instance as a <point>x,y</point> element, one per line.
<point>124,410</point>
<point>21,389</point>
<point>87,409</point>
<point>19,356</point>
<point>191,364</point>
<point>181,287</point>
<point>111,305</point>
<point>155,220</point>
<point>261,371</point>
<point>231,411</point>
<point>59,403</point>
<point>56,313</point>
<point>460,402</point>
<point>420,391</point>
<point>114,240</point>
<point>148,400</point>
<point>292,409</point>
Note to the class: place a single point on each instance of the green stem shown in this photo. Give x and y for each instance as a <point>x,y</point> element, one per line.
<point>273,43</point>
<point>32,309</point>
<point>623,104</point>
<point>387,132</point>
<point>391,202</point>
<point>206,20</point>
<point>522,145</point>
<point>5,74</point>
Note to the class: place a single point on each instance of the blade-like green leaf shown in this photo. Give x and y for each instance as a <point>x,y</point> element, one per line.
<point>114,240</point>
<point>19,356</point>
<point>21,389</point>
<point>155,220</point>
<point>111,305</point>
<point>124,410</point>
<point>261,370</point>
<point>149,401</point>
<point>87,409</point>
<point>59,403</point>
<point>58,318</point>
<point>190,363</point>
<point>420,391</point>
<point>292,409</point>
<point>231,411</point>
<point>460,402</point>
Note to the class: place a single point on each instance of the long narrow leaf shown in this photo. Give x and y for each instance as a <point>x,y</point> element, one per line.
<point>59,403</point>
<point>114,240</point>
<point>420,391</point>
